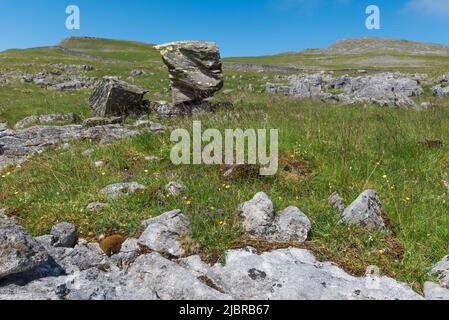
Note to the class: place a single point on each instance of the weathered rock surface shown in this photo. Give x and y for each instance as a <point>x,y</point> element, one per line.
<point>112,97</point>
<point>365,211</point>
<point>118,190</point>
<point>441,91</point>
<point>295,274</point>
<point>195,70</point>
<point>261,221</point>
<point>441,271</point>
<point>385,89</point>
<point>164,233</point>
<point>64,235</point>
<point>99,121</point>
<point>17,145</point>
<point>433,291</point>
<point>19,252</point>
<point>46,120</point>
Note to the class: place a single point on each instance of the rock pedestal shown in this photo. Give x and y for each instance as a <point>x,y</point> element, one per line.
<point>195,70</point>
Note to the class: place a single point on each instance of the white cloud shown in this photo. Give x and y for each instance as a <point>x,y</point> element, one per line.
<point>438,8</point>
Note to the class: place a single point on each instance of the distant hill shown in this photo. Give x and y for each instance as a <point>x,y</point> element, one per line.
<point>368,45</point>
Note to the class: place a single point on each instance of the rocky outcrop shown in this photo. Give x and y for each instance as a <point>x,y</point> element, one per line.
<point>113,97</point>
<point>365,211</point>
<point>64,235</point>
<point>261,222</point>
<point>47,119</point>
<point>195,70</point>
<point>17,145</point>
<point>385,89</point>
<point>433,291</point>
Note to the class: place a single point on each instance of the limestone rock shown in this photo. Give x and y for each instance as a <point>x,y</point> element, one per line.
<point>195,70</point>
<point>175,189</point>
<point>258,214</point>
<point>365,211</point>
<point>19,252</point>
<point>118,190</point>
<point>295,274</point>
<point>441,270</point>
<point>163,233</point>
<point>116,98</point>
<point>64,235</point>
<point>433,291</point>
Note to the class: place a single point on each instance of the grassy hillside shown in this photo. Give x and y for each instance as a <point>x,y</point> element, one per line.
<point>324,148</point>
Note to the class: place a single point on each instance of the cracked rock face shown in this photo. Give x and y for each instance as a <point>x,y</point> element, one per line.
<point>195,70</point>
<point>433,291</point>
<point>163,233</point>
<point>64,235</point>
<point>365,211</point>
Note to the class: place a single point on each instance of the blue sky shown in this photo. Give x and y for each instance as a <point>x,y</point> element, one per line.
<point>240,27</point>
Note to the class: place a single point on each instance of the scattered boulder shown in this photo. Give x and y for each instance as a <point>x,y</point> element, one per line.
<point>261,221</point>
<point>138,72</point>
<point>164,233</point>
<point>195,70</point>
<point>96,206</point>
<point>65,235</point>
<point>19,252</point>
<point>366,211</point>
<point>118,190</point>
<point>441,271</point>
<point>258,214</point>
<point>113,97</point>
<point>175,189</point>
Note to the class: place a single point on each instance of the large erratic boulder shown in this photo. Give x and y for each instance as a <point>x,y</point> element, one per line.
<point>113,98</point>
<point>195,70</point>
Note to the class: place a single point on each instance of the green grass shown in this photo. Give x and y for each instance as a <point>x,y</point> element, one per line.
<point>324,148</point>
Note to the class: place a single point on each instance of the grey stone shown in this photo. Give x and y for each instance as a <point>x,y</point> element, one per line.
<point>138,72</point>
<point>116,98</point>
<point>195,70</point>
<point>433,291</point>
<point>291,225</point>
<point>337,202</point>
<point>365,211</point>
<point>441,271</point>
<point>171,281</point>
<point>118,190</point>
<point>258,215</point>
<point>47,119</point>
<point>165,232</point>
<point>129,252</point>
<point>65,235</point>
<point>97,206</point>
<point>441,91</point>
<point>19,252</point>
<point>175,189</point>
